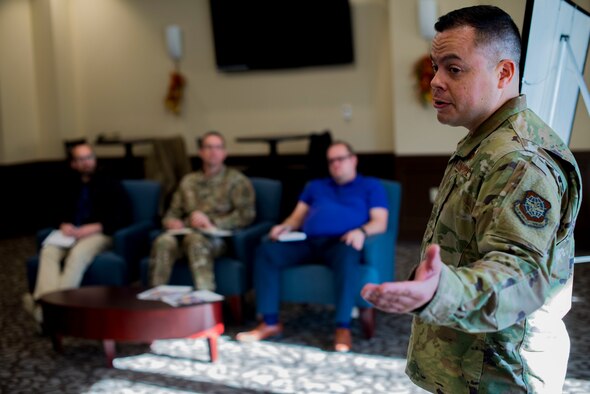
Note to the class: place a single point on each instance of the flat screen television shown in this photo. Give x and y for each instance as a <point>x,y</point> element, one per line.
<point>277,34</point>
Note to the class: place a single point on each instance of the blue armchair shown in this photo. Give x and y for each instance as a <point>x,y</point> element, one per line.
<point>314,283</point>
<point>233,271</point>
<point>118,266</point>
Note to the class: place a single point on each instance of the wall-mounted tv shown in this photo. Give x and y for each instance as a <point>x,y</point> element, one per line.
<point>276,34</point>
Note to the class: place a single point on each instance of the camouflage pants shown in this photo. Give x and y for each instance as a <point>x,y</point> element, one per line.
<point>199,250</point>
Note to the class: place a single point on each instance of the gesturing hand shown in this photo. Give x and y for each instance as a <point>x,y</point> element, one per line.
<point>403,297</point>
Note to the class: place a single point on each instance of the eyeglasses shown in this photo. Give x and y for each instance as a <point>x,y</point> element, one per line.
<point>213,147</point>
<point>338,159</point>
<point>84,158</point>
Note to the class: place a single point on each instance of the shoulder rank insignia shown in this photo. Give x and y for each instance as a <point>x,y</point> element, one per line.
<point>532,209</point>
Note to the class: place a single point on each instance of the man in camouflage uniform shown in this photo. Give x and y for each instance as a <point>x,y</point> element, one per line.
<point>495,279</point>
<point>213,198</point>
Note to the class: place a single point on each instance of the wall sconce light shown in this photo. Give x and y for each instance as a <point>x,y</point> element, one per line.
<point>427,15</point>
<point>174,42</point>
<point>174,96</point>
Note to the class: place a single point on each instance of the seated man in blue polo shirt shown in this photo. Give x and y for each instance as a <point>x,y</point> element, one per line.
<point>336,214</point>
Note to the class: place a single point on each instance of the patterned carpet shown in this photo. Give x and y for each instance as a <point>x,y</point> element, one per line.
<point>300,362</point>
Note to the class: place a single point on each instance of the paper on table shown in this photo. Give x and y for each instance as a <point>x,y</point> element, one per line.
<point>194,297</point>
<point>57,238</point>
<point>292,236</point>
<point>159,292</point>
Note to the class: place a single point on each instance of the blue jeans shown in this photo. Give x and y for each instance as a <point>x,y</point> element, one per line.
<point>273,257</point>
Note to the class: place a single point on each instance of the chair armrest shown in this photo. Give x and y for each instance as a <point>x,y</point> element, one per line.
<point>132,242</point>
<point>41,235</point>
<point>153,234</point>
<point>376,247</point>
<point>246,240</point>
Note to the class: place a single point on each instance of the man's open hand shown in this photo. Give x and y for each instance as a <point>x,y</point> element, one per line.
<point>403,297</point>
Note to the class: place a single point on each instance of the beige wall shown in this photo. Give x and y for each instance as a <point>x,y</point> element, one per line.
<point>78,68</point>
<point>18,112</point>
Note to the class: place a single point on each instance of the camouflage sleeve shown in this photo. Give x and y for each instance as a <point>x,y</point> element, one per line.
<point>243,212</point>
<point>516,213</point>
<point>176,210</point>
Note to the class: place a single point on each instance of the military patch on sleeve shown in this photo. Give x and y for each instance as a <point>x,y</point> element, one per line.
<point>532,209</point>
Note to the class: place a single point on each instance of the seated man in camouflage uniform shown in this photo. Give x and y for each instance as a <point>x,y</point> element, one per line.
<point>495,279</point>
<point>213,198</point>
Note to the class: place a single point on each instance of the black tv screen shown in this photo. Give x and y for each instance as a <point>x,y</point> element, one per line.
<point>275,34</point>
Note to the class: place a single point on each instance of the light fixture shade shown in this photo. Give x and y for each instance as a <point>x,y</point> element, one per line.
<point>427,14</point>
<point>174,41</point>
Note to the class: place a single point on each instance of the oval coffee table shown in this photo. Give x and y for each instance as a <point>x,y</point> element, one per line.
<point>115,314</point>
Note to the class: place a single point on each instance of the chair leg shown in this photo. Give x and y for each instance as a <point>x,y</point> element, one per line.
<point>367,316</point>
<point>235,306</point>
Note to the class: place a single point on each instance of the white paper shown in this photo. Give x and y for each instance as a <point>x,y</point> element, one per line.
<point>159,292</point>
<point>292,236</point>
<point>214,231</point>
<point>180,231</point>
<point>194,297</point>
<point>57,238</point>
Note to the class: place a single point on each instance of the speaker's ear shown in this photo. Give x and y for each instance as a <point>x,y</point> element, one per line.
<point>174,41</point>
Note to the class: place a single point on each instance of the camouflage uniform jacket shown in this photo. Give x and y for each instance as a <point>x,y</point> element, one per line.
<point>226,198</point>
<point>504,218</point>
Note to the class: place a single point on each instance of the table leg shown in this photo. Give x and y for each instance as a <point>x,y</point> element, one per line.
<point>211,334</point>
<point>109,351</point>
<point>212,340</point>
<point>273,151</point>
<point>56,341</point>
<point>128,150</point>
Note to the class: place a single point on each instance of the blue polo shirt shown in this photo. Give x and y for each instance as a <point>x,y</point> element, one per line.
<point>335,209</point>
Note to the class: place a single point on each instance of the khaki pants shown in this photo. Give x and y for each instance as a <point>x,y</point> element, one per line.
<point>50,277</point>
<point>200,251</point>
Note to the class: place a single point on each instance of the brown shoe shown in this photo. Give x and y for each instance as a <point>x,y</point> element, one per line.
<point>263,331</point>
<point>342,340</point>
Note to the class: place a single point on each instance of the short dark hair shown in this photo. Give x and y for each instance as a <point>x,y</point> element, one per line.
<point>345,144</point>
<point>69,146</point>
<point>202,138</point>
<point>493,28</point>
